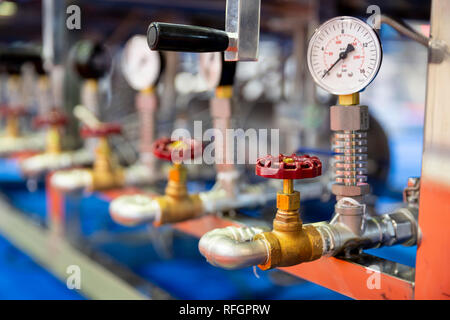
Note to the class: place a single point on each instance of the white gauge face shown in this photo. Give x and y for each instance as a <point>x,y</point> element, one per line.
<point>211,68</point>
<point>140,66</point>
<point>344,55</point>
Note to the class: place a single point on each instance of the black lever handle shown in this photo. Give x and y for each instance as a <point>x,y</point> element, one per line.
<point>179,37</point>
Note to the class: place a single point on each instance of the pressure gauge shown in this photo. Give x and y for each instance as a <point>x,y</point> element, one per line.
<point>141,67</point>
<point>215,71</point>
<point>344,55</point>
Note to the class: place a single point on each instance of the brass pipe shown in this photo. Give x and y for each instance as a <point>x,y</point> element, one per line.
<point>53,140</point>
<point>288,186</point>
<point>12,126</point>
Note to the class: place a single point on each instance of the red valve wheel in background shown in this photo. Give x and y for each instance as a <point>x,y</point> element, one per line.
<point>54,117</point>
<point>165,148</point>
<point>288,167</point>
<point>12,111</point>
<point>104,130</point>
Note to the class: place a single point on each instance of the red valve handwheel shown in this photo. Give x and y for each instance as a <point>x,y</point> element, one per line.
<point>164,148</point>
<point>104,130</point>
<point>54,117</point>
<point>12,111</point>
<point>288,167</point>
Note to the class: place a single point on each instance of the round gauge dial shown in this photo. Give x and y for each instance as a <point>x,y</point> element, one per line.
<point>211,68</point>
<point>344,55</point>
<point>141,67</point>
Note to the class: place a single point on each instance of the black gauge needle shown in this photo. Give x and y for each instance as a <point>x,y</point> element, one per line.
<point>342,56</point>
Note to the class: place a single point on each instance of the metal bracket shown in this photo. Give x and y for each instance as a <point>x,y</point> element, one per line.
<point>242,25</point>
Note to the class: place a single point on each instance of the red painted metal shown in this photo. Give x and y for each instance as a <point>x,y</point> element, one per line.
<point>351,279</point>
<point>165,149</point>
<point>104,130</point>
<point>54,117</point>
<point>55,202</point>
<point>12,111</point>
<point>279,167</point>
<point>433,253</point>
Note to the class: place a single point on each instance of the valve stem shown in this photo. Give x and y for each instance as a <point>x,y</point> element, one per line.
<point>288,186</point>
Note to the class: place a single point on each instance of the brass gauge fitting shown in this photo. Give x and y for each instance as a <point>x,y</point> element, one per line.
<point>290,242</point>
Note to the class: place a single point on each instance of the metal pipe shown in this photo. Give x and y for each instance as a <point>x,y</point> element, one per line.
<point>399,227</point>
<point>405,30</point>
<point>33,142</point>
<point>74,179</point>
<point>49,162</point>
<point>138,209</point>
<point>438,49</point>
<point>134,209</point>
<point>233,248</point>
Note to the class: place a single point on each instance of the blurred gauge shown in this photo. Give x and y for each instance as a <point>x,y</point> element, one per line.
<point>186,83</point>
<point>91,59</point>
<point>253,90</point>
<point>141,66</point>
<point>211,64</point>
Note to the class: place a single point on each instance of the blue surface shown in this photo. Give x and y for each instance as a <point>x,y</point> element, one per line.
<point>22,278</point>
<point>10,171</point>
<point>31,203</point>
<point>14,186</point>
<point>399,253</point>
<point>406,157</point>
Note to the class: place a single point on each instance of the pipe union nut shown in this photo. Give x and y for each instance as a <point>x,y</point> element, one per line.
<point>405,228</point>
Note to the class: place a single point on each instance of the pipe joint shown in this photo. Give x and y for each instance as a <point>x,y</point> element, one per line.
<point>288,248</point>
<point>234,248</point>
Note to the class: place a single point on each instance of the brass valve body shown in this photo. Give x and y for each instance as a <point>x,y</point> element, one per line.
<point>105,174</point>
<point>290,242</point>
<point>177,205</point>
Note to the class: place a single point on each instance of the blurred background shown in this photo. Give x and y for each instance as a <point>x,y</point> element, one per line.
<point>275,92</point>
